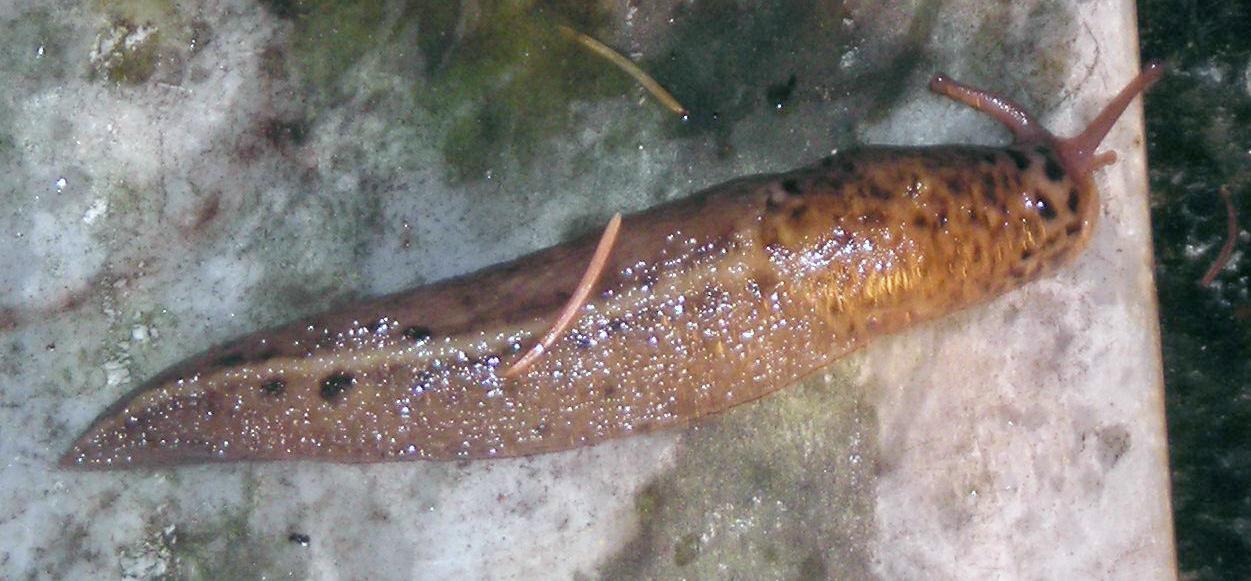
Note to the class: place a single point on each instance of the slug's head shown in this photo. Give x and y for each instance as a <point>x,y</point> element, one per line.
<point>1077,155</point>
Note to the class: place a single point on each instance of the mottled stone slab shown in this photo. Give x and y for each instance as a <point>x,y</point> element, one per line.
<point>176,174</point>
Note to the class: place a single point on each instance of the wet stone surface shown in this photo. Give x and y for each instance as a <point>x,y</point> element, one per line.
<point>177,174</point>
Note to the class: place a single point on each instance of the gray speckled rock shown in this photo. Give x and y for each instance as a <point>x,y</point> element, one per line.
<point>178,173</point>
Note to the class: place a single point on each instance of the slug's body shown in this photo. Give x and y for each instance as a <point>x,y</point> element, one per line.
<point>704,304</point>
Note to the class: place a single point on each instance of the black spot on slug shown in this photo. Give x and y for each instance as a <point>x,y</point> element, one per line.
<point>1073,200</point>
<point>417,333</point>
<point>1020,159</point>
<point>798,212</point>
<point>1027,254</point>
<point>878,192</point>
<point>942,218</point>
<point>1053,170</point>
<point>335,384</point>
<point>1045,209</point>
<point>274,387</point>
<point>1073,228</point>
<point>920,221</point>
<point>792,187</point>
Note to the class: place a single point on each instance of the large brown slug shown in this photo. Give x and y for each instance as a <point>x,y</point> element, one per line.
<point>704,304</point>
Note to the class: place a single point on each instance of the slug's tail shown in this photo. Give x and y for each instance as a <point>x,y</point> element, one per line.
<point>1077,152</point>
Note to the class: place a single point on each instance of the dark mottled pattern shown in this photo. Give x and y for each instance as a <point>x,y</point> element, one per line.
<point>792,187</point>
<point>417,333</point>
<point>1045,208</point>
<point>335,385</point>
<point>996,224</point>
<point>1020,159</point>
<point>1052,167</point>
<point>707,303</point>
<point>274,387</point>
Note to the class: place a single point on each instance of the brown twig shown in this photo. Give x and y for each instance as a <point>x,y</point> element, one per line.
<point>628,66</point>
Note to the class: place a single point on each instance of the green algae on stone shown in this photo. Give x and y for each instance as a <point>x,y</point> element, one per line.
<point>161,13</point>
<point>437,25</point>
<point>686,550</point>
<point>780,488</point>
<point>227,544</point>
<point>140,34</point>
<point>228,548</point>
<point>509,87</point>
<point>151,557</point>
<point>725,55</point>
<point>497,83</point>
<point>126,53</point>
<point>331,37</point>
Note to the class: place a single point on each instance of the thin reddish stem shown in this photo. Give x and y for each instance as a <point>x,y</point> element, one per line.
<point>1001,109</point>
<point>1231,238</point>
<point>1078,151</point>
<point>580,295</point>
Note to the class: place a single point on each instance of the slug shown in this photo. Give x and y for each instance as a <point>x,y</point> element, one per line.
<point>701,305</point>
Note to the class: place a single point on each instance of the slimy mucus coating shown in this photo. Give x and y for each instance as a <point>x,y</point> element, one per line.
<point>704,304</point>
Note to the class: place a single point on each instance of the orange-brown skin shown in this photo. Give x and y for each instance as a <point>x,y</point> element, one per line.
<point>706,303</point>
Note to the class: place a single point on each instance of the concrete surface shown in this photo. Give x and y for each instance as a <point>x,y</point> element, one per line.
<point>177,173</point>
